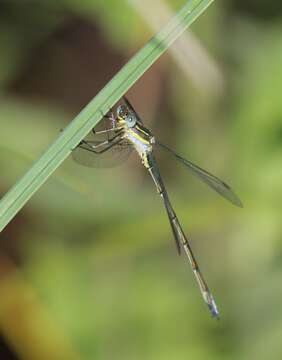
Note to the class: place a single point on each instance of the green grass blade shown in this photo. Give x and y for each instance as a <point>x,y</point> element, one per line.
<point>15,199</point>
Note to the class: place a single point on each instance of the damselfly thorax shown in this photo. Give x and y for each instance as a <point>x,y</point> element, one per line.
<point>135,133</point>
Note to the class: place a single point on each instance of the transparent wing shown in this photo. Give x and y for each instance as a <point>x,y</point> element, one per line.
<point>112,157</point>
<point>99,141</point>
<point>212,181</point>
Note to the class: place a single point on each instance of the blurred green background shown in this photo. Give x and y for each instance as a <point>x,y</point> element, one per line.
<point>88,269</point>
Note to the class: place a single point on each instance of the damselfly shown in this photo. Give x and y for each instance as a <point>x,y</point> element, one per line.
<point>112,143</point>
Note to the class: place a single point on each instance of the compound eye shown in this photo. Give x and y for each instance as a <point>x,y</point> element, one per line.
<point>121,111</point>
<point>131,121</point>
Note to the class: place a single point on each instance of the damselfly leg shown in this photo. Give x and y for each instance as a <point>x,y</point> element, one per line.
<point>103,146</point>
<point>99,148</point>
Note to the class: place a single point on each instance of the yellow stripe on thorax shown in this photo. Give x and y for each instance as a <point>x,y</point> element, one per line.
<point>138,136</point>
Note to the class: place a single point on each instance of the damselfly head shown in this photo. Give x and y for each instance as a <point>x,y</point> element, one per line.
<point>125,114</point>
<point>122,111</point>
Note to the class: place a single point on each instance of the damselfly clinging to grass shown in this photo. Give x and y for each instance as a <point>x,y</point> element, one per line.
<point>114,141</point>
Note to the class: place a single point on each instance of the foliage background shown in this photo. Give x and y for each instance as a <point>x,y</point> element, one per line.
<point>88,268</point>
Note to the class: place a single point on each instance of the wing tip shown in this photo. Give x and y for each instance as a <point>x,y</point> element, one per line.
<point>236,201</point>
